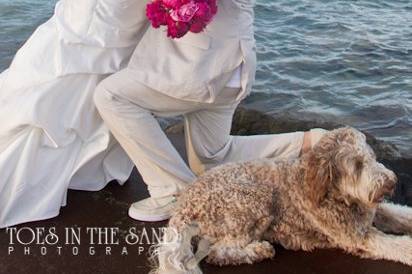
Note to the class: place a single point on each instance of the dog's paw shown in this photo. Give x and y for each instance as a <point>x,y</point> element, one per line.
<point>231,254</point>
<point>401,251</point>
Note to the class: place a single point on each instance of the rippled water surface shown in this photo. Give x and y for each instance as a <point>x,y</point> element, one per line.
<point>347,61</point>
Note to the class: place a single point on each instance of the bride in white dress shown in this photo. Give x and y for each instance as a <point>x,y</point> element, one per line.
<point>51,136</point>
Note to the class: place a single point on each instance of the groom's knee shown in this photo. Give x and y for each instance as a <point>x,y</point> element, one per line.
<point>213,154</point>
<point>102,97</point>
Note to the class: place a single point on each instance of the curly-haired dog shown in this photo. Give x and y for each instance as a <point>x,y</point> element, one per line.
<point>331,197</point>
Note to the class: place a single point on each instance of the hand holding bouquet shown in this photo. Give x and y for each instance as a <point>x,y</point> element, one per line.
<point>181,16</point>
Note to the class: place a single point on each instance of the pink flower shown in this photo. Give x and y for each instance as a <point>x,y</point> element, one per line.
<point>203,13</point>
<point>156,13</point>
<point>172,4</point>
<point>186,12</point>
<point>181,16</point>
<point>197,26</point>
<point>176,29</point>
<point>213,6</point>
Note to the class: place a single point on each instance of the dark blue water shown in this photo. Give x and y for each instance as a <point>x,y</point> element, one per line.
<point>346,61</point>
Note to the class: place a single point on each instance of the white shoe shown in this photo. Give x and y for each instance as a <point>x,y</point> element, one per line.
<point>153,209</point>
<point>316,134</point>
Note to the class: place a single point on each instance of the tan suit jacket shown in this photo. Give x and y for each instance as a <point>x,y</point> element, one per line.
<point>198,66</point>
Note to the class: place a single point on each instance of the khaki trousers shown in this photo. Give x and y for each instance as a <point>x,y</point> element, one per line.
<point>129,109</point>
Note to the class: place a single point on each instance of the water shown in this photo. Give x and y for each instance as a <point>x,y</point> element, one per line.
<point>346,61</point>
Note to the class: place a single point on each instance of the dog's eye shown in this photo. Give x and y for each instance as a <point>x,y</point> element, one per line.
<point>358,165</point>
<point>372,153</point>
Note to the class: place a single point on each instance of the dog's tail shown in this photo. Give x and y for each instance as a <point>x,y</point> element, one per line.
<point>174,254</point>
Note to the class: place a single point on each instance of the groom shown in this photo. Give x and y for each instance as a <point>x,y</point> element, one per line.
<point>202,77</point>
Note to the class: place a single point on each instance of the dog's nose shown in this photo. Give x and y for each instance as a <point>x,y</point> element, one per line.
<point>391,182</point>
<point>391,187</point>
<point>393,178</point>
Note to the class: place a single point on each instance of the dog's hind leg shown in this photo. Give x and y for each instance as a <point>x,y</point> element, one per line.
<point>235,252</point>
<point>392,218</point>
<point>246,249</point>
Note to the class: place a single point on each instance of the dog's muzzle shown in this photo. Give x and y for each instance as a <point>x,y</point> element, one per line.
<point>388,189</point>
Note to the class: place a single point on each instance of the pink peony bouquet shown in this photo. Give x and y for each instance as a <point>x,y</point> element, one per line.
<point>181,16</point>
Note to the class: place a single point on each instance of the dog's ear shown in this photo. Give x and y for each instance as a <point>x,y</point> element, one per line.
<point>348,158</point>
<point>321,170</point>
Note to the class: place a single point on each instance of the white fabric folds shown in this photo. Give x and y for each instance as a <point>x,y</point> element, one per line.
<point>51,136</point>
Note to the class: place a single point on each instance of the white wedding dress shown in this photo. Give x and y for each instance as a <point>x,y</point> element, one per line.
<point>51,136</point>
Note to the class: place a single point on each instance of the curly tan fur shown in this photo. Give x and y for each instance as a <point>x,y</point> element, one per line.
<point>328,198</point>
